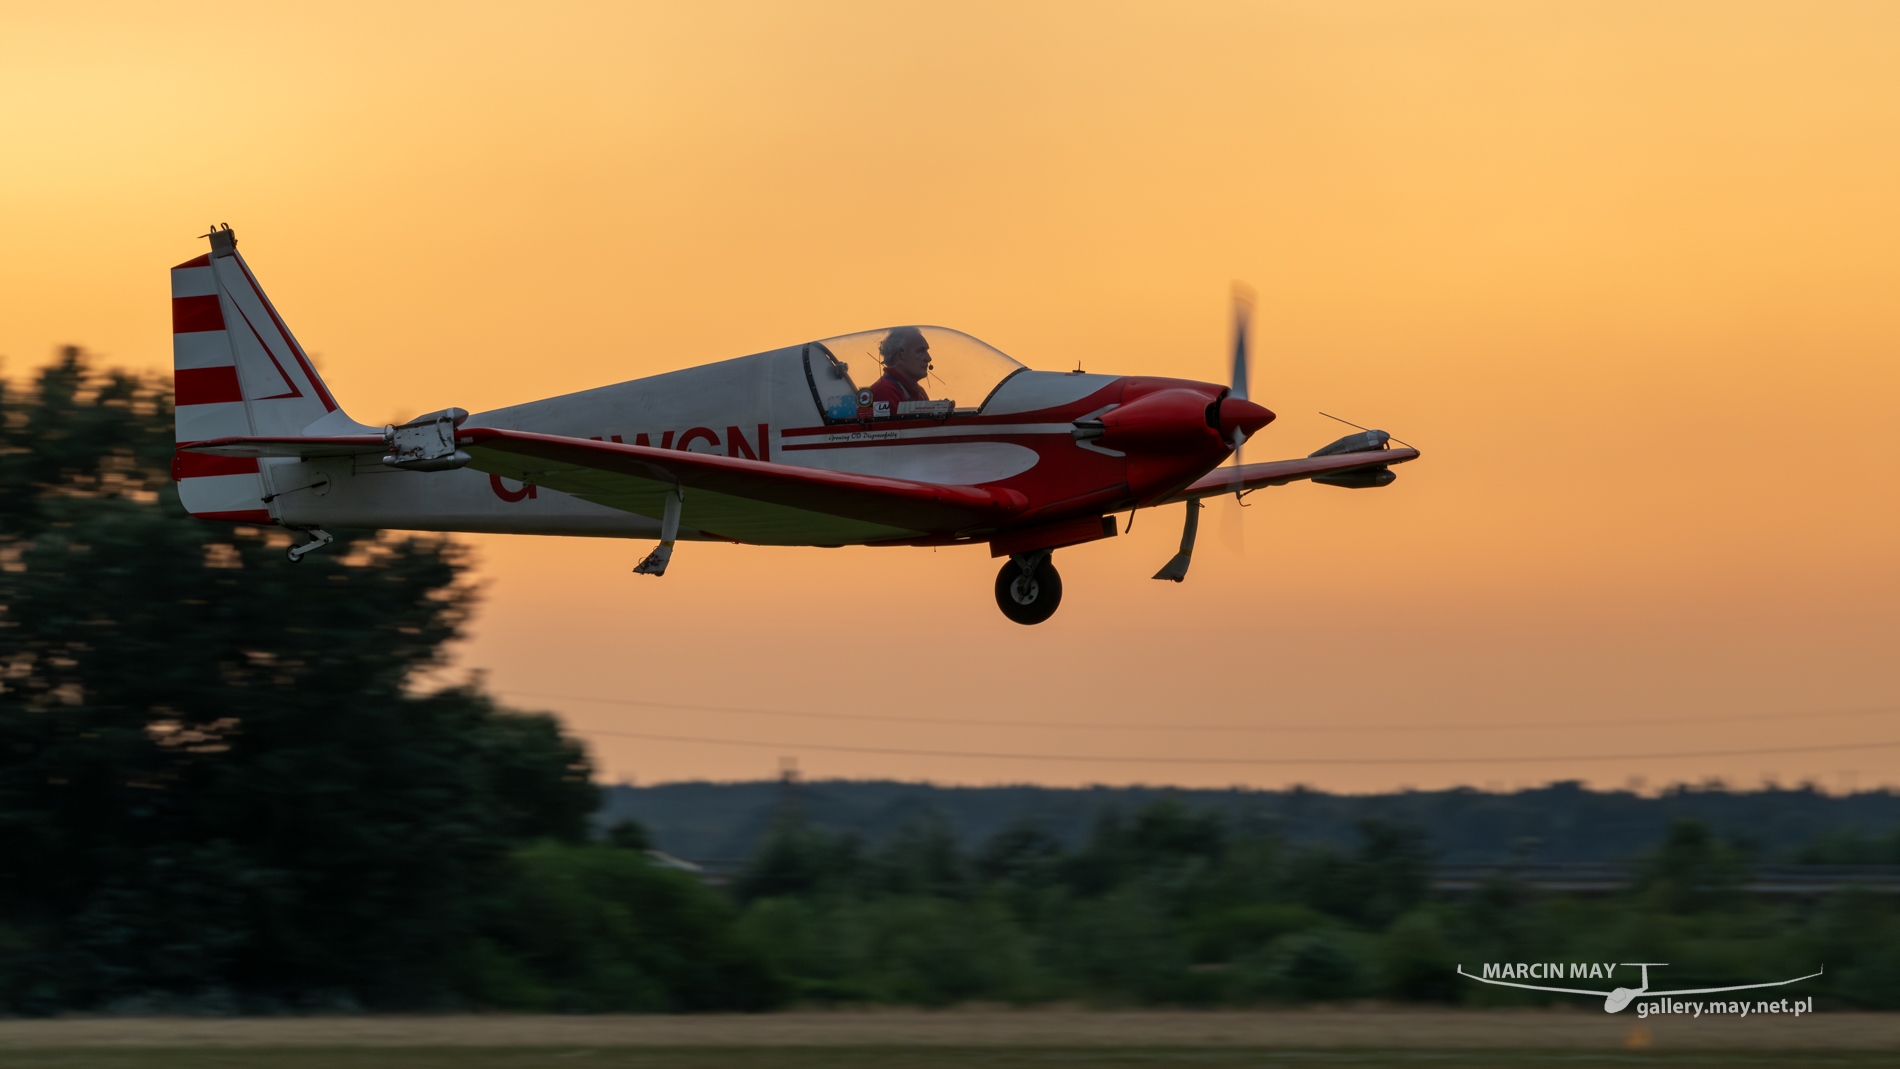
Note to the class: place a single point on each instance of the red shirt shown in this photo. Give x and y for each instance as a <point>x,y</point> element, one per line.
<point>893,389</point>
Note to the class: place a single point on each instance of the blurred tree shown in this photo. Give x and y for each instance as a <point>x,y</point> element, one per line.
<point>1843,847</point>
<point>1388,875</point>
<point>213,775</point>
<point>818,948</point>
<point>592,929</point>
<point>1104,860</point>
<point>1692,870</point>
<point>922,858</point>
<point>628,834</point>
<point>1167,841</point>
<point>79,432</point>
<point>799,859</point>
<point>1855,935</point>
<point>1319,964</point>
<point>1226,934</point>
<point>1023,854</point>
<point>1119,946</point>
<point>1168,831</point>
<point>1415,963</point>
<point>937,951</point>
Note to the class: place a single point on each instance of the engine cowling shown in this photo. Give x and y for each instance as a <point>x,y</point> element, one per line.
<point>1168,422</point>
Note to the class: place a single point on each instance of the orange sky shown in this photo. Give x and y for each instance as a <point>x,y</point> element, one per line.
<point>1625,272</point>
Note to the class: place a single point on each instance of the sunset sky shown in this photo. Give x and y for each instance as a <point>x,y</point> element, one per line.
<point>1626,273</point>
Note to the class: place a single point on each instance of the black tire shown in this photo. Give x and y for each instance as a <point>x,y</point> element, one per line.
<point>1028,599</point>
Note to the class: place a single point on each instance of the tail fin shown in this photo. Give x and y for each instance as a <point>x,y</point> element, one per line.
<point>238,372</point>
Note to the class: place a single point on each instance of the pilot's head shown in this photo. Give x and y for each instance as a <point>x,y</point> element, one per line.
<point>905,353</point>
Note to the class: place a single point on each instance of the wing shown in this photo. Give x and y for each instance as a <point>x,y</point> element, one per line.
<point>1281,472</point>
<point>342,445</point>
<point>745,500</point>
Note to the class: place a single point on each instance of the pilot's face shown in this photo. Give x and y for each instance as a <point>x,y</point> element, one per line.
<point>912,361</point>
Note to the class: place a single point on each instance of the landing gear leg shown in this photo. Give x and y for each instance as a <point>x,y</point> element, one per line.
<point>1028,589</point>
<point>1177,566</point>
<point>318,539</point>
<point>655,562</point>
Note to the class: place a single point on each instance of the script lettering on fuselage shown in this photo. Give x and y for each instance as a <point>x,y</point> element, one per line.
<point>735,440</point>
<point>527,490</point>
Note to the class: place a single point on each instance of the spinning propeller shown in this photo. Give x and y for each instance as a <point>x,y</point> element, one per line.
<point>1237,417</point>
<point>1237,379</point>
<point>1231,527</point>
<point>1233,531</point>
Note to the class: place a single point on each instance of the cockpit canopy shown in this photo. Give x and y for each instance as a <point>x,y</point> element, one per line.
<point>904,373</point>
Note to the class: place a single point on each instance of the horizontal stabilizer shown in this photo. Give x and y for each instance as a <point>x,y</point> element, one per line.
<point>341,445</point>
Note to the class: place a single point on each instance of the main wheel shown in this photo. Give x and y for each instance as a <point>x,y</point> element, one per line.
<point>1028,599</point>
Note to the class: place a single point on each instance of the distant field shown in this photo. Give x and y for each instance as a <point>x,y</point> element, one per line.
<point>881,1058</point>
<point>1350,1038</point>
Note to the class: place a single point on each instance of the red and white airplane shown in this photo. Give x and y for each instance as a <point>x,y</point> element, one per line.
<point>909,436</point>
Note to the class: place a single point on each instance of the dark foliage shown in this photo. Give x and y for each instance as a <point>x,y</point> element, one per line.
<point>589,929</point>
<point>1171,905</point>
<point>1558,823</point>
<point>215,781</point>
<point>1692,870</point>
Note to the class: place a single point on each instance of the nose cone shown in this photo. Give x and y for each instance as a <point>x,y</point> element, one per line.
<point>1244,416</point>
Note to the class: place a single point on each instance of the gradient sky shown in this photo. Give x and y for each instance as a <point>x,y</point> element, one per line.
<point>1625,272</point>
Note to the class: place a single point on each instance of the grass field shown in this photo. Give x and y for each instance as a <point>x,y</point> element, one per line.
<point>885,1058</point>
<point>1348,1038</point>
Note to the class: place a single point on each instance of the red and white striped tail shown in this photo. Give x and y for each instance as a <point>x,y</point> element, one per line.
<point>238,372</point>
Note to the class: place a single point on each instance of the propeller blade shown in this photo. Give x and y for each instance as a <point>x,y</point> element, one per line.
<point>1233,527</point>
<point>1243,320</point>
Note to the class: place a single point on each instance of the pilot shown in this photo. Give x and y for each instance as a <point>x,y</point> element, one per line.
<point>906,357</point>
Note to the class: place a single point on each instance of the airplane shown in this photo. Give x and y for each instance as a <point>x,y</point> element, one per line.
<point>907,436</point>
<point>1617,1000</point>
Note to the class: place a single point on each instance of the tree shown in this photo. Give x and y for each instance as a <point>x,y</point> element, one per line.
<point>1691,870</point>
<point>213,773</point>
<point>601,928</point>
<point>798,859</point>
<point>1388,875</point>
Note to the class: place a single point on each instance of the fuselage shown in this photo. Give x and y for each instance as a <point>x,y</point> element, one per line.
<point>935,439</point>
<point>1072,444</point>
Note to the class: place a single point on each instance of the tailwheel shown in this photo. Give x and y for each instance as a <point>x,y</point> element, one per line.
<point>1028,589</point>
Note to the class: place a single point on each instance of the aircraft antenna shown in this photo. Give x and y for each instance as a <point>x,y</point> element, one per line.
<point>1350,423</point>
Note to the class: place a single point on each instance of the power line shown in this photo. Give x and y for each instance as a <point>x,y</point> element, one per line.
<point>1251,728</point>
<point>993,756</point>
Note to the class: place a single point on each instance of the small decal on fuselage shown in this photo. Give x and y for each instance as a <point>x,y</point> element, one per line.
<point>862,436</point>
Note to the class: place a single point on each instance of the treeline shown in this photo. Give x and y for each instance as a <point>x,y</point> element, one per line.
<point>219,790</point>
<point>1173,905</point>
<point>1556,823</point>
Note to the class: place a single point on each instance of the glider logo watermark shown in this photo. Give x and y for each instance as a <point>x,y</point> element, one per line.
<point>1506,974</point>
